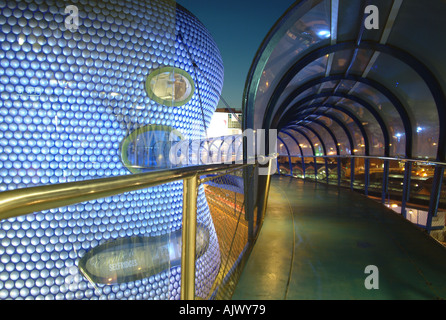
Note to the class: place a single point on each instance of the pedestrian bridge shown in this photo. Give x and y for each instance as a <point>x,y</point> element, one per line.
<point>317,241</point>
<point>347,203</point>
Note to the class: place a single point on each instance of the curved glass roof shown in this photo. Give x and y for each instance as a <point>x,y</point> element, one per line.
<point>327,82</point>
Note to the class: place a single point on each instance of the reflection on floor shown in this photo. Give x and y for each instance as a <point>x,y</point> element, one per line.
<point>317,241</point>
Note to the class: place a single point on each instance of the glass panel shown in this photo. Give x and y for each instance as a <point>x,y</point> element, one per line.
<point>310,168</point>
<point>359,182</point>
<point>422,177</point>
<point>293,148</point>
<point>313,70</point>
<point>410,37</point>
<point>341,136</point>
<point>314,102</point>
<point>301,33</point>
<point>376,177</point>
<point>356,134</point>
<point>303,142</point>
<point>326,86</point>
<point>396,178</point>
<point>309,92</point>
<point>361,61</point>
<point>341,61</point>
<point>332,170</point>
<point>325,136</point>
<point>121,247</point>
<point>284,165</point>
<point>419,193</point>
<point>345,172</point>
<point>331,100</point>
<point>321,169</point>
<point>412,90</point>
<point>147,148</point>
<point>282,149</point>
<point>314,139</point>
<point>389,114</point>
<point>442,203</point>
<point>170,86</point>
<point>225,196</point>
<point>298,169</point>
<point>371,126</point>
<point>348,10</point>
<point>346,85</point>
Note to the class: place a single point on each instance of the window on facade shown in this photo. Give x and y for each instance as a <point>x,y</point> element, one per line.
<point>170,86</point>
<point>148,148</point>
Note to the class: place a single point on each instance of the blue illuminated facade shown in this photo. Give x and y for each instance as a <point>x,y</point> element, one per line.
<point>67,101</point>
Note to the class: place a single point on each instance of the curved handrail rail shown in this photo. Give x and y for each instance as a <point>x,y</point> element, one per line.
<point>23,201</point>
<point>429,162</point>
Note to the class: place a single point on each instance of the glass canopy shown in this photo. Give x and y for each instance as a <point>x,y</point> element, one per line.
<point>326,81</point>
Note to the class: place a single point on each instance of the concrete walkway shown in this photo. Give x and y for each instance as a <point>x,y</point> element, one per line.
<point>317,240</point>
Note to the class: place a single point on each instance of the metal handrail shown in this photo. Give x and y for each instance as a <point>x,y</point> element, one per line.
<point>436,186</point>
<point>19,202</point>
<point>430,162</point>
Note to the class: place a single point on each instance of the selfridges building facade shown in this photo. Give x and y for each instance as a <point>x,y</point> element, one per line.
<point>93,89</point>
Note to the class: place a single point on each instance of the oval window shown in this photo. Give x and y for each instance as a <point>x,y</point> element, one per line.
<point>148,148</point>
<point>170,86</point>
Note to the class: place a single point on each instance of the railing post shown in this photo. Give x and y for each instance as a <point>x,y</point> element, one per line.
<point>366,176</point>
<point>250,190</point>
<point>326,171</point>
<point>352,173</point>
<point>338,162</point>
<point>188,253</point>
<point>406,187</point>
<point>315,168</point>
<point>267,187</point>
<point>385,188</point>
<point>435,196</point>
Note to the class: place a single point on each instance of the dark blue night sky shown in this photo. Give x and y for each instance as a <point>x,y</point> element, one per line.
<point>238,27</point>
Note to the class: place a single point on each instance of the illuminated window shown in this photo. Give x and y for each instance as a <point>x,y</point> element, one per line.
<point>148,148</point>
<point>170,86</point>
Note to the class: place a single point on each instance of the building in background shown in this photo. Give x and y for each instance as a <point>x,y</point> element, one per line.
<point>225,122</point>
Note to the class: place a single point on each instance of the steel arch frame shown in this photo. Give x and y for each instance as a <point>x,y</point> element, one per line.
<point>360,101</point>
<point>425,74</point>
<point>392,98</point>
<point>339,122</point>
<point>289,155</point>
<point>300,148</point>
<point>332,135</point>
<point>352,116</point>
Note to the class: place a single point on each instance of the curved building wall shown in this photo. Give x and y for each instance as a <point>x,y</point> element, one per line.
<point>68,98</point>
